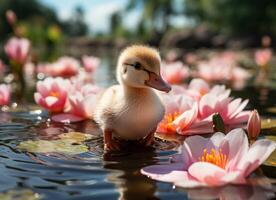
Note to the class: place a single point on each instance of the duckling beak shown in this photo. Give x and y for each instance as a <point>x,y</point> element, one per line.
<point>155,81</point>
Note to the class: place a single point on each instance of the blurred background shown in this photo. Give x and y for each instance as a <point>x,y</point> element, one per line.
<point>93,24</point>
<point>220,41</point>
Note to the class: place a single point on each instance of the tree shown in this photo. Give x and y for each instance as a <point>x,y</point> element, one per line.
<point>255,17</point>
<point>76,25</point>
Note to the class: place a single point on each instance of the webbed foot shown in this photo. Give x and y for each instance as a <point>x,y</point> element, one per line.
<point>149,139</point>
<point>110,144</point>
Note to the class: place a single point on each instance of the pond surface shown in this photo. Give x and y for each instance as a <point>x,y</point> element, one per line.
<point>95,174</point>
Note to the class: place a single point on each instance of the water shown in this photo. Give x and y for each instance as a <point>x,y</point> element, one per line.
<point>99,175</point>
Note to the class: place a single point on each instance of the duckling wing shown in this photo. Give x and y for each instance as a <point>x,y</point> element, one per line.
<point>107,106</point>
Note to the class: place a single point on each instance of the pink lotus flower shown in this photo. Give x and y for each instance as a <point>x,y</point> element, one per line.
<point>65,67</point>
<point>239,77</point>
<point>181,114</point>
<point>218,101</point>
<point>81,108</point>
<point>11,17</point>
<point>197,88</point>
<point>175,73</point>
<point>262,57</point>
<point>17,49</point>
<point>52,93</point>
<point>90,63</point>
<point>5,94</point>
<point>254,125</point>
<point>82,103</point>
<point>219,160</point>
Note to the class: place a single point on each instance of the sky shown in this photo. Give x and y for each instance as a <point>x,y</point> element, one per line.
<point>97,12</point>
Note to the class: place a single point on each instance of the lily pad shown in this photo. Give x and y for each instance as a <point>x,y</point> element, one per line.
<point>268,123</point>
<point>24,194</point>
<point>69,143</point>
<point>76,136</point>
<point>271,109</point>
<point>271,161</point>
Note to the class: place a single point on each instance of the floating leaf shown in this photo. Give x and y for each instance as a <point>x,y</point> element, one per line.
<point>25,194</point>
<point>66,146</point>
<point>76,136</point>
<point>271,109</point>
<point>271,161</point>
<point>268,123</point>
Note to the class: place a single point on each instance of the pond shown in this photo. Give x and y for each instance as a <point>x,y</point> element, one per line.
<point>94,174</point>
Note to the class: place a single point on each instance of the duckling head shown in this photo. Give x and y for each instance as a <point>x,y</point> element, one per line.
<point>139,67</point>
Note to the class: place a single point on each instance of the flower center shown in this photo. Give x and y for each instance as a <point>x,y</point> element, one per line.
<point>167,122</point>
<point>215,157</point>
<point>54,94</point>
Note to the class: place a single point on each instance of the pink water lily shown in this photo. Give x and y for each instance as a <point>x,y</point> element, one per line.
<point>82,103</point>
<point>218,101</point>
<point>263,56</point>
<point>11,17</point>
<point>215,161</point>
<point>90,63</point>
<point>175,73</point>
<point>52,93</point>
<point>197,88</point>
<point>5,94</point>
<point>181,116</point>
<point>18,49</point>
<point>65,67</point>
<point>81,108</point>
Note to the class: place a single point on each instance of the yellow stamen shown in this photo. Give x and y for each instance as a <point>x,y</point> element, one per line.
<point>54,94</point>
<point>167,122</point>
<point>215,157</point>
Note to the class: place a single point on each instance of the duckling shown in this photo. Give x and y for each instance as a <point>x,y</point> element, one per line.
<point>132,109</point>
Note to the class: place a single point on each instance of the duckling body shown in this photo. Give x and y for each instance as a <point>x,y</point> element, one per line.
<point>132,109</point>
<point>130,112</point>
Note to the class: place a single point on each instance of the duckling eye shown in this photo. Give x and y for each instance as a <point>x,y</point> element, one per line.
<point>137,66</point>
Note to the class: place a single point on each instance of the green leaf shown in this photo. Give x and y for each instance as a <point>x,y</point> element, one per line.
<point>76,136</point>
<point>69,143</point>
<point>24,194</point>
<point>218,123</point>
<point>268,123</point>
<point>271,161</point>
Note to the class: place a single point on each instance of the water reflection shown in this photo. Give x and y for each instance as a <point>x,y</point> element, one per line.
<point>240,192</point>
<point>125,174</point>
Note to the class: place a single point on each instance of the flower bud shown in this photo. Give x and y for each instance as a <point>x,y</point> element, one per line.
<point>254,125</point>
<point>11,17</point>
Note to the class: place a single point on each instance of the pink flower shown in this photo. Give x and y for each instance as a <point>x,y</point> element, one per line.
<point>52,93</point>
<point>17,49</point>
<point>11,17</point>
<point>65,67</point>
<point>222,67</point>
<point>215,161</point>
<point>197,88</point>
<point>175,73</point>
<point>262,57</point>
<point>81,108</point>
<point>238,77</point>
<point>181,114</point>
<point>213,71</point>
<point>82,103</point>
<point>218,101</point>
<point>5,94</point>
<point>90,63</point>
<point>254,125</point>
